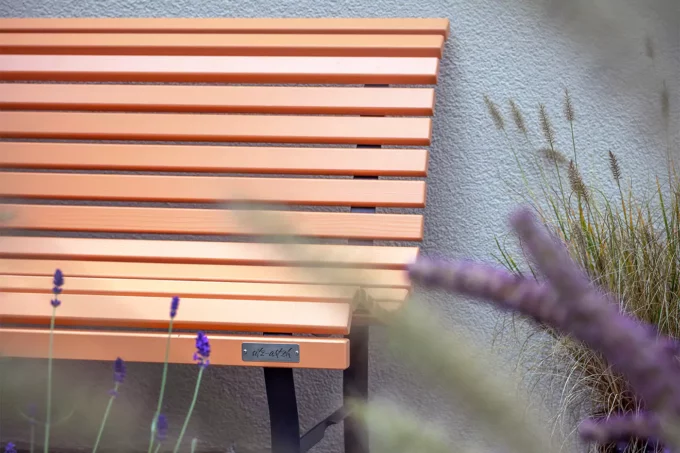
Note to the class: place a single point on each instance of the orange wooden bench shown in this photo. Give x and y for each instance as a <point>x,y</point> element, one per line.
<point>93,187</point>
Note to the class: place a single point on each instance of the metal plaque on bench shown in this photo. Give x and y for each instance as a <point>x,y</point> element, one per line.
<point>270,352</point>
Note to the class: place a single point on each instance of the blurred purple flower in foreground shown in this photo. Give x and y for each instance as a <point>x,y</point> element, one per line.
<point>10,448</point>
<point>161,428</point>
<point>568,302</point>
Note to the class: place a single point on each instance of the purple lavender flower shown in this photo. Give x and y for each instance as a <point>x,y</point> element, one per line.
<point>58,282</point>
<point>119,370</point>
<point>202,350</point>
<point>10,448</point>
<point>161,428</point>
<point>173,307</point>
<point>570,303</point>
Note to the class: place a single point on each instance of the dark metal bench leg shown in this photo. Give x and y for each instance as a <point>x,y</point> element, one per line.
<point>283,410</point>
<point>355,387</point>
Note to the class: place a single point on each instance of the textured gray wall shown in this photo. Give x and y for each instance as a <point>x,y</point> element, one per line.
<point>525,50</point>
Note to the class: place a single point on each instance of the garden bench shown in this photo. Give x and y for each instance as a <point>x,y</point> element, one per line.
<point>122,187</point>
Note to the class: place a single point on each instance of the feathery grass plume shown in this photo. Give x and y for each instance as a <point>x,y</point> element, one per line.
<point>553,155</point>
<point>495,113</point>
<point>582,311</point>
<point>58,283</point>
<point>568,107</point>
<point>576,182</point>
<point>546,126</point>
<point>174,306</point>
<point>615,167</point>
<point>518,118</point>
<point>396,430</point>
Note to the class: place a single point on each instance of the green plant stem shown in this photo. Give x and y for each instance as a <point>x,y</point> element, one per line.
<point>191,409</point>
<point>158,447</point>
<point>106,416</point>
<point>32,435</point>
<point>48,415</point>
<point>163,379</point>
<point>194,441</point>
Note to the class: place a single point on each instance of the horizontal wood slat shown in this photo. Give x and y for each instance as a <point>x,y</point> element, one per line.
<point>211,221</point>
<point>199,158</point>
<point>134,68</point>
<point>152,312</point>
<point>205,252</point>
<point>209,272</point>
<point>235,128</point>
<point>231,25</point>
<point>227,99</point>
<point>222,44</point>
<point>196,289</point>
<point>338,192</point>
<point>322,353</point>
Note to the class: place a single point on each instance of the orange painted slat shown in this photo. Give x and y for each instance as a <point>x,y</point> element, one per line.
<point>205,252</point>
<point>322,353</point>
<point>197,289</point>
<point>235,128</point>
<point>209,272</point>
<point>313,191</point>
<point>211,221</point>
<point>221,44</point>
<point>199,158</point>
<point>134,68</point>
<point>227,99</point>
<point>152,312</point>
<point>231,25</point>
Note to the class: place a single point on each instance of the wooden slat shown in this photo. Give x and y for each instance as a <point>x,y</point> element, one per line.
<point>227,99</point>
<point>133,68</point>
<point>231,25</point>
<point>236,159</point>
<point>152,312</point>
<point>221,44</point>
<point>209,272</point>
<point>197,289</point>
<point>338,192</point>
<point>211,221</point>
<point>236,128</point>
<point>205,252</point>
<point>322,353</point>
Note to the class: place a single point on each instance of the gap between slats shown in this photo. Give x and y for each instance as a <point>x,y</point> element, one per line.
<point>322,353</point>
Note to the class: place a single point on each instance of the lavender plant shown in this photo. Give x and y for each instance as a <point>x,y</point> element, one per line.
<point>568,302</point>
<point>58,282</point>
<point>119,371</point>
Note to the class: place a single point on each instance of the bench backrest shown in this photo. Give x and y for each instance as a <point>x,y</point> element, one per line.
<point>255,107</point>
